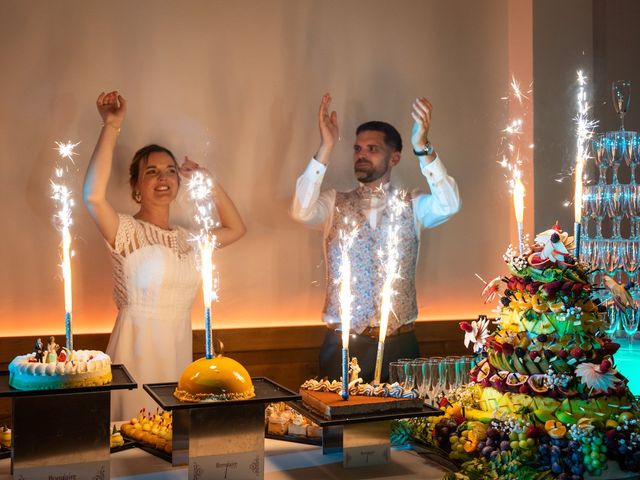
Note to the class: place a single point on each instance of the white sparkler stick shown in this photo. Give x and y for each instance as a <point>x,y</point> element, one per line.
<point>199,186</point>
<point>518,205</point>
<point>62,196</point>
<point>391,268</point>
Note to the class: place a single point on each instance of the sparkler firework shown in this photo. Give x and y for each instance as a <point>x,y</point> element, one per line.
<point>512,158</point>
<point>396,205</point>
<point>585,127</point>
<point>200,187</point>
<point>346,300</point>
<point>62,196</point>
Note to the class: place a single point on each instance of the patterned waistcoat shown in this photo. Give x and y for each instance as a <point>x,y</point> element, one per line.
<point>367,269</point>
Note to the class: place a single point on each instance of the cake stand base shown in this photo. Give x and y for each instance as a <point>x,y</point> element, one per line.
<point>62,433</point>
<point>361,444</point>
<point>58,435</point>
<point>364,439</point>
<point>220,440</point>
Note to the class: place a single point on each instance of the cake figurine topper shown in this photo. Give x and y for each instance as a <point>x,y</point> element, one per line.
<point>38,349</point>
<point>52,350</point>
<point>354,373</point>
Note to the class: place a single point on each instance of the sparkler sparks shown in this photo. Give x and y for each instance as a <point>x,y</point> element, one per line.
<point>585,127</point>
<point>200,187</point>
<point>511,158</point>
<point>65,150</point>
<point>517,92</point>
<point>62,196</point>
<point>346,239</point>
<point>346,298</point>
<point>390,260</point>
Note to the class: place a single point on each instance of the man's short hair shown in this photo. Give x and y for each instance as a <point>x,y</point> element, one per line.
<point>392,138</point>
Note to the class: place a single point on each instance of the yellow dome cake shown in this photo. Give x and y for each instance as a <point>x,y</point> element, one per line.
<point>214,379</point>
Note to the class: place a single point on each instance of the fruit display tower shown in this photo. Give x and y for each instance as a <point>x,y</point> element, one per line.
<point>545,396</point>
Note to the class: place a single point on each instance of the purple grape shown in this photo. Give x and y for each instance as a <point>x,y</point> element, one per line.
<point>487,451</point>
<point>504,445</point>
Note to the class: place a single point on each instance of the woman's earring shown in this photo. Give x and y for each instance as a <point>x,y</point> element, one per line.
<point>137,197</point>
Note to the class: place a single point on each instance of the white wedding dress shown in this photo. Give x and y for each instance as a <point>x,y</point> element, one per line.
<point>155,283</point>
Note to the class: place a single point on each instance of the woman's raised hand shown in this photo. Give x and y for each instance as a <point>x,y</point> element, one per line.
<point>112,107</point>
<point>188,167</point>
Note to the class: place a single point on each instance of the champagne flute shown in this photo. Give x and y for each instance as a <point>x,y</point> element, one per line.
<point>615,152</point>
<point>396,372</point>
<point>631,262</point>
<point>621,93</point>
<point>630,323</point>
<point>630,154</point>
<point>435,380</point>
<point>448,372</point>
<point>464,369</point>
<point>612,320</point>
<point>599,206</point>
<point>634,211</point>
<point>421,374</point>
<point>599,145</point>
<point>615,208</point>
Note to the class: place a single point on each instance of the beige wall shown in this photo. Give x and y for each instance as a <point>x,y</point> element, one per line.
<point>236,86</point>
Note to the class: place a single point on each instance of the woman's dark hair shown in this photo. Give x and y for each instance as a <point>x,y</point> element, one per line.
<point>392,138</point>
<point>142,155</point>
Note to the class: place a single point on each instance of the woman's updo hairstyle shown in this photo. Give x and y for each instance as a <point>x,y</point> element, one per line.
<point>141,156</point>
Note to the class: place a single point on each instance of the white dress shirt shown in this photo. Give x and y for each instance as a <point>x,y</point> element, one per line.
<point>315,209</point>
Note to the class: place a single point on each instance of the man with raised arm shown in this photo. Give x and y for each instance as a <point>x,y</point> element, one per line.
<point>376,150</point>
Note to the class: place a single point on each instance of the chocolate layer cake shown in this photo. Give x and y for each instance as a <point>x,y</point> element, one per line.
<point>331,405</point>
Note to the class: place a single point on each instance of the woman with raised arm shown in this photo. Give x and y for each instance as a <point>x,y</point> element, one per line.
<point>154,264</point>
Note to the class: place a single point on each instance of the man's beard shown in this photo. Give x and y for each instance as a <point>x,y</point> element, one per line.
<point>366,173</point>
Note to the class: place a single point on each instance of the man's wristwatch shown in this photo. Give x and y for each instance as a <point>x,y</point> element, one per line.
<point>425,152</point>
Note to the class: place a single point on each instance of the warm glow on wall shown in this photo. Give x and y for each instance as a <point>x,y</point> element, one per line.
<point>99,320</point>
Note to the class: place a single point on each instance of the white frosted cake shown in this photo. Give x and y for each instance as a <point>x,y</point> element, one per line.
<point>83,368</point>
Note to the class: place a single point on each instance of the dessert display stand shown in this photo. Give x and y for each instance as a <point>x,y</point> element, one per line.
<point>364,439</point>
<point>62,433</point>
<point>220,439</point>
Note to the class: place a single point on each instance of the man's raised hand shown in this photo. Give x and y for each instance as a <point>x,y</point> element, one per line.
<point>421,113</point>
<point>328,123</point>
